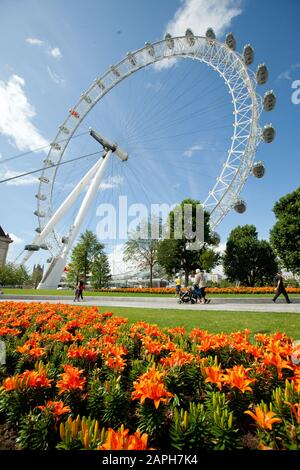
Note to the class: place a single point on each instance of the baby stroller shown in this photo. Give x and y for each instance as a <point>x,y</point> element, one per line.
<point>188,296</point>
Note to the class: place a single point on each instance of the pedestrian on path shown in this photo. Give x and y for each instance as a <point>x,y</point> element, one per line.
<point>197,289</point>
<point>178,284</point>
<point>202,285</point>
<point>280,289</point>
<point>81,289</point>
<point>77,293</point>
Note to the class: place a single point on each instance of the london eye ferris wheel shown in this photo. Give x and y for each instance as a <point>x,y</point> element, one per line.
<point>239,163</point>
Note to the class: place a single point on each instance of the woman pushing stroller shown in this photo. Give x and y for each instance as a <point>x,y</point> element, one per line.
<point>200,286</point>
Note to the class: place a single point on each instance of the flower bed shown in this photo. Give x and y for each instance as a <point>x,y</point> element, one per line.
<point>75,378</point>
<point>211,290</point>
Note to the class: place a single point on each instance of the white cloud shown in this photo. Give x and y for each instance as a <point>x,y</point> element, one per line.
<point>47,48</point>
<point>55,52</point>
<point>16,115</point>
<point>23,181</point>
<point>287,74</point>
<point>55,78</point>
<point>191,150</point>
<point>35,41</point>
<point>153,86</point>
<point>112,182</point>
<point>199,15</point>
<point>17,240</point>
<point>165,64</point>
<point>202,14</point>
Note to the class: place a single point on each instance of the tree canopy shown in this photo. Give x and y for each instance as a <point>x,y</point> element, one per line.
<point>100,273</point>
<point>285,235</point>
<point>83,256</point>
<point>13,275</point>
<point>141,249</point>
<point>247,259</point>
<point>174,254</point>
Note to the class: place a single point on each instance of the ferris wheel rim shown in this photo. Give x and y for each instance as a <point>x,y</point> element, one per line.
<point>227,58</point>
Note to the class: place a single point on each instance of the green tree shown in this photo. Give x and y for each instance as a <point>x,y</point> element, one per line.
<point>175,254</point>
<point>209,259</point>
<point>100,271</point>
<point>247,259</point>
<point>141,249</point>
<point>83,256</point>
<point>285,235</point>
<point>13,275</point>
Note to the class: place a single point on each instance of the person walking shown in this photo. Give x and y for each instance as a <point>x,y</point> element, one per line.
<point>77,293</point>
<point>81,289</point>
<point>202,285</point>
<point>280,289</point>
<point>197,290</point>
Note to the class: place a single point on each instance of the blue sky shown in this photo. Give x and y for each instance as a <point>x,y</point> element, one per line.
<point>176,123</point>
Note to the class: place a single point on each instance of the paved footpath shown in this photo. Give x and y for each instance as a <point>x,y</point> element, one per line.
<point>222,304</point>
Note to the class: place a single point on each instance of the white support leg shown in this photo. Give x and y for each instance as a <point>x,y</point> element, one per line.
<point>64,207</point>
<point>54,273</point>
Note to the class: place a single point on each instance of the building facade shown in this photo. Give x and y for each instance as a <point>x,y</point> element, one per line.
<point>5,241</point>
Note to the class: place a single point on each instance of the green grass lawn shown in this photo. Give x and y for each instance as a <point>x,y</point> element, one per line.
<point>214,321</point>
<point>122,294</point>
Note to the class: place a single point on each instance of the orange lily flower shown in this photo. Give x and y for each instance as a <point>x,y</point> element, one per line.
<point>28,379</point>
<point>177,359</point>
<point>150,385</point>
<point>80,352</point>
<point>277,361</point>
<point>237,378</point>
<point>177,330</point>
<point>264,419</point>
<point>122,440</point>
<point>116,363</point>
<point>56,407</point>
<point>214,374</point>
<point>70,380</point>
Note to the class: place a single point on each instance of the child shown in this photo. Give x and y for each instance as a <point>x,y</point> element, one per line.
<point>178,285</point>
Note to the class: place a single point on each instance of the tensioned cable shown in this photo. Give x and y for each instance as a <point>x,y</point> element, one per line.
<point>148,101</point>
<point>211,126</point>
<point>182,119</point>
<point>165,109</point>
<point>156,102</point>
<point>40,148</point>
<point>210,107</point>
<point>50,166</point>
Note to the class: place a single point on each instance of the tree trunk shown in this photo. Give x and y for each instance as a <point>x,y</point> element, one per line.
<point>186,278</point>
<point>151,275</point>
<point>85,268</point>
